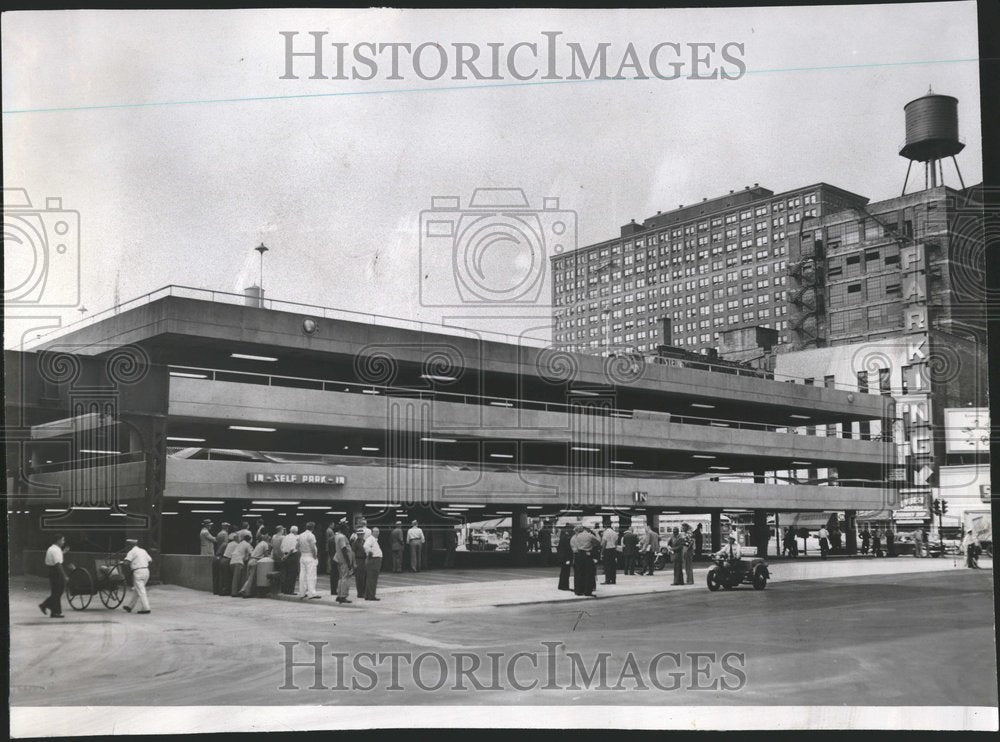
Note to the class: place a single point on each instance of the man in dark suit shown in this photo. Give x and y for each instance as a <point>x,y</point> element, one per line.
<point>630,550</point>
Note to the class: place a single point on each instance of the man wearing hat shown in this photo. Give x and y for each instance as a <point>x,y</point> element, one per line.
<point>343,557</point>
<point>207,539</point>
<point>220,574</point>
<point>360,567</point>
<point>139,559</point>
<point>732,550</point>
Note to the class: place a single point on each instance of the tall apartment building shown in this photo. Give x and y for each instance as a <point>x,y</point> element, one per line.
<point>851,273</point>
<point>709,267</point>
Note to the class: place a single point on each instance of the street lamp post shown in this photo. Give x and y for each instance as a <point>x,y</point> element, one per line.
<point>261,249</point>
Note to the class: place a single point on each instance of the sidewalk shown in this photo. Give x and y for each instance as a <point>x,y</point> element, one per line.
<point>488,594</point>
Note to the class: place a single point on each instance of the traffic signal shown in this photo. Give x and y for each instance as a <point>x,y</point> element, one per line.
<point>936,507</point>
<point>944,507</point>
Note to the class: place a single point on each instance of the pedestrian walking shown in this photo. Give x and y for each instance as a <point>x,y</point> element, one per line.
<point>260,550</point>
<point>373,564</point>
<point>699,541</point>
<point>238,559</point>
<point>397,545</point>
<point>360,570</point>
<point>139,560</point>
<point>890,542</point>
<point>57,578</point>
<point>564,553</point>
<point>220,573</point>
<point>866,538</point>
<point>676,546</point>
<point>415,539</point>
<point>824,542</point>
<point>583,543</point>
<point>630,551</point>
<point>609,551</point>
<point>290,551</point>
<point>688,553</point>
<point>344,558</point>
<point>308,562</point>
<point>649,547</point>
<point>835,540</point>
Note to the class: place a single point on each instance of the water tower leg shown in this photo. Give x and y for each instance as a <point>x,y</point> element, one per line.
<point>907,178</point>
<point>958,171</point>
<point>933,164</point>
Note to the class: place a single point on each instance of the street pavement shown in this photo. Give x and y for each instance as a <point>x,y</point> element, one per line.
<point>858,632</point>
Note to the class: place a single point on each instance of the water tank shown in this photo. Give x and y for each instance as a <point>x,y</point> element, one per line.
<point>931,128</point>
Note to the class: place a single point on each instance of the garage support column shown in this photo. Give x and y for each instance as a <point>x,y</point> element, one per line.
<point>624,520</point>
<point>850,529</point>
<point>761,532</point>
<point>518,535</point>
<point>716,530</point>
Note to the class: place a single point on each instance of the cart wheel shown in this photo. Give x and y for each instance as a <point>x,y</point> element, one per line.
<point>79,589</point>
<point>713,580</point>
<point>112,592</point>
<point>759,578</point>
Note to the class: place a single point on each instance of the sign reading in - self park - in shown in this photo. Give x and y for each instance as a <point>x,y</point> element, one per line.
<point>323,480</point>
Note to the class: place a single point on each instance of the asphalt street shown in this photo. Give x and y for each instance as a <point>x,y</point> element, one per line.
<point>902,639</point>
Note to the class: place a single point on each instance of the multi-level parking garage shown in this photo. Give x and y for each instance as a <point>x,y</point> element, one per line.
<point>184,405</point>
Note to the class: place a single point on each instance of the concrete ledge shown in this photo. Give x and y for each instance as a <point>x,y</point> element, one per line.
<point>187,570</point>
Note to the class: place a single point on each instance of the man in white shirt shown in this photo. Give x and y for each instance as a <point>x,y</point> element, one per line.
<point>139,559</point>
<point>824,541</point>
<point>290,551</point>
<point>261,550</point>
<point>308,561</point>
<point>57,577</point>
<point>373,563</point>
<point>415,538</point>
<point>732,551</point>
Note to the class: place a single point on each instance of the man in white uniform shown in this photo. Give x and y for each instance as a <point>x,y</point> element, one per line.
<point>373,563</point>
<point>308,561</point>
<point>57,578</point>
<point>139,560</point>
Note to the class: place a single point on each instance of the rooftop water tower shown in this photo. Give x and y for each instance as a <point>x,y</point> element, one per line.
<point>931,136</point>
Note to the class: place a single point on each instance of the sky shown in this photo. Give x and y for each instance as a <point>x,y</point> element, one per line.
<point>174,138</point>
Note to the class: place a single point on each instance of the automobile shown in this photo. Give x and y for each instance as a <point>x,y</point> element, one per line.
<point>728,573</point>
<point>948,546</point>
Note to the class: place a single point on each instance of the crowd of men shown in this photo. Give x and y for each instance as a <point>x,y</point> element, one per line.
<point>581,548</point>
<point>292,558</point>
